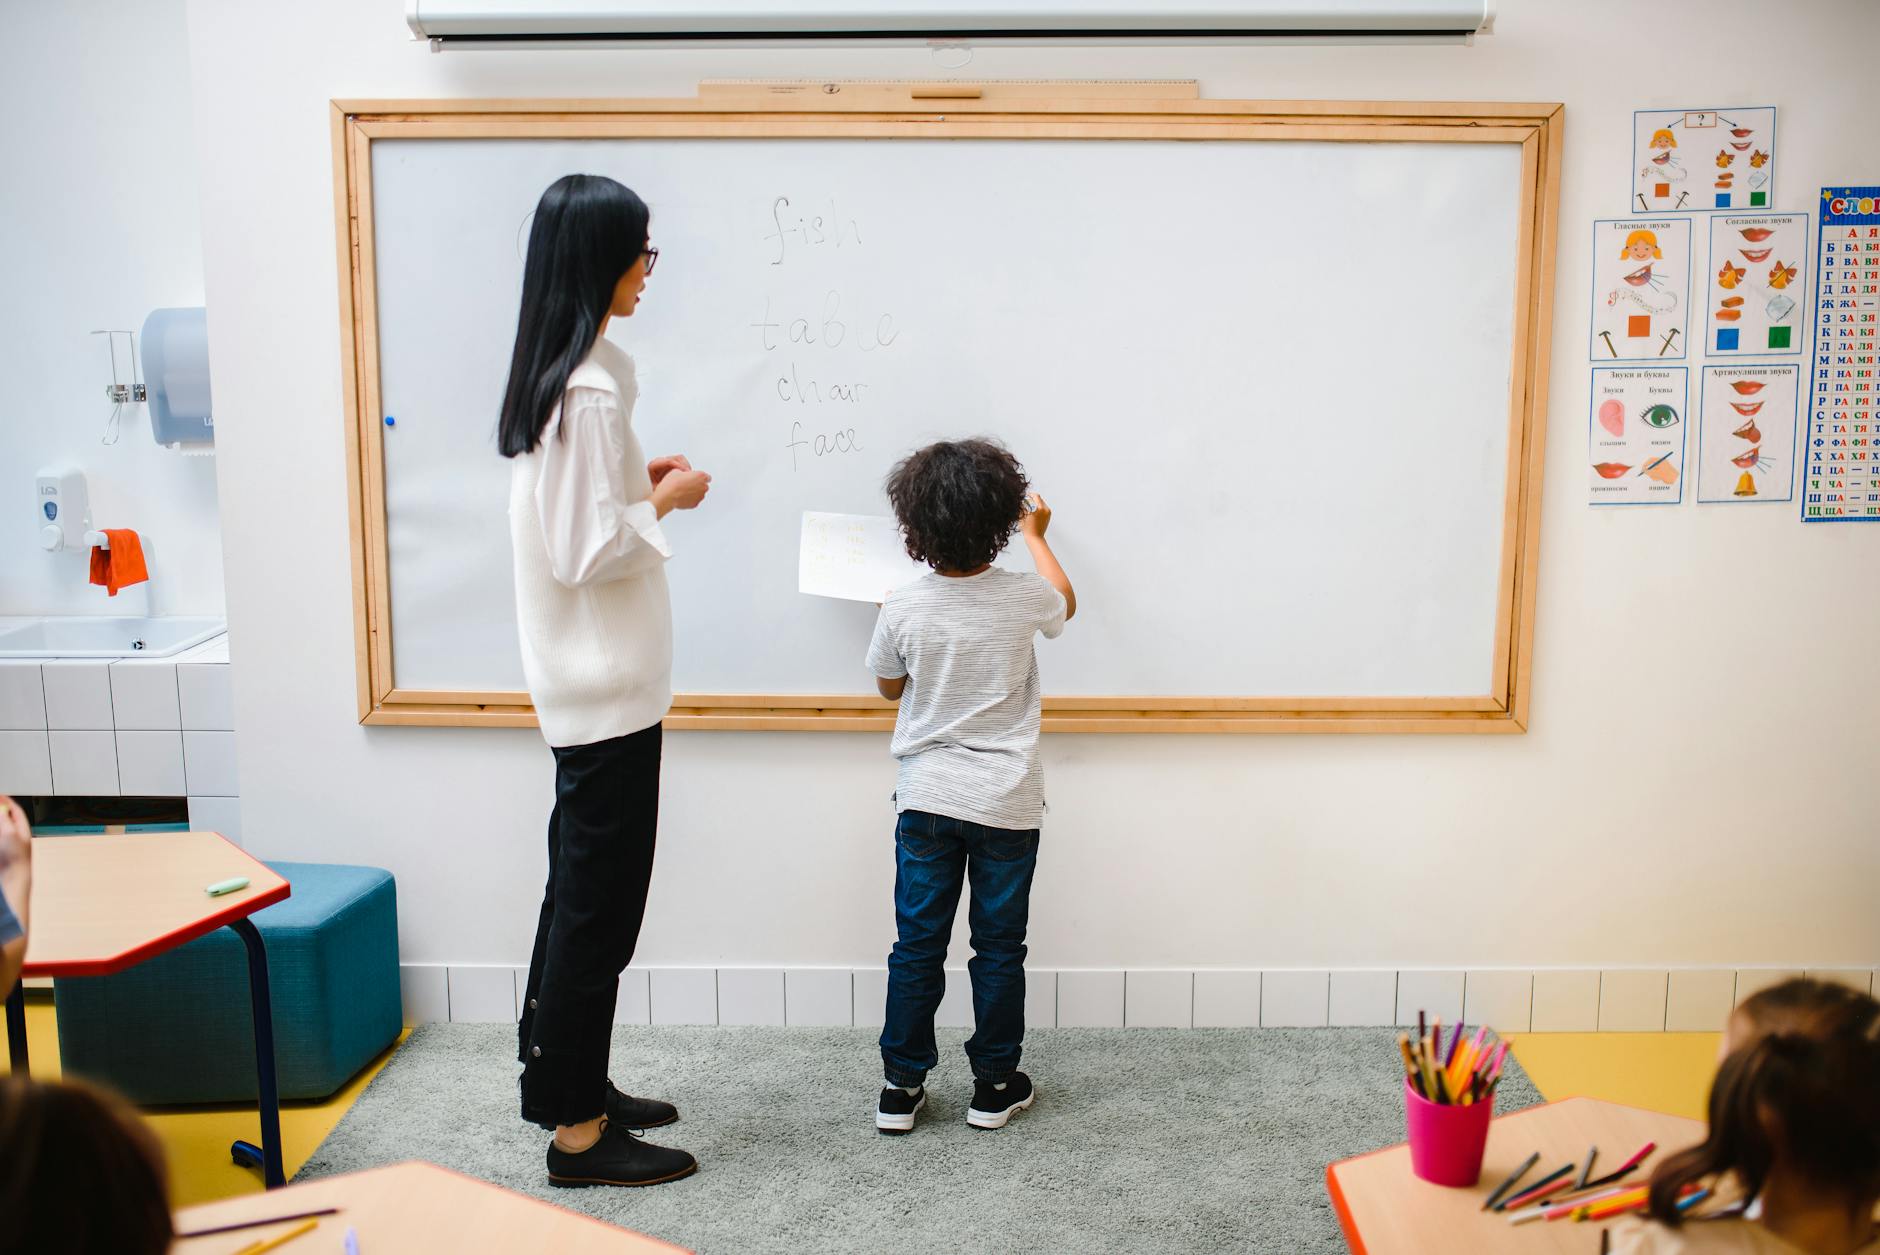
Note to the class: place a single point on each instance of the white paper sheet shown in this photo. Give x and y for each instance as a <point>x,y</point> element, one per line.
<point>857,557</point>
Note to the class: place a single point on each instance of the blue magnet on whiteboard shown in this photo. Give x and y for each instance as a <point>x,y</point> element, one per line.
<point>390,421</point>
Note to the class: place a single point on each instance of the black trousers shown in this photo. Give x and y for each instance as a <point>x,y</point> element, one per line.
<point>600,862</point>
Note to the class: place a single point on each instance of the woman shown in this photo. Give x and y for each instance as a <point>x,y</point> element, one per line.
<point>596,627</point>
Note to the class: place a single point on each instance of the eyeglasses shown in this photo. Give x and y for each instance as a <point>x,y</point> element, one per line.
<point>652,259</point>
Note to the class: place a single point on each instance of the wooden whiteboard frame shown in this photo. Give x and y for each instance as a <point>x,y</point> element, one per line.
<point>1002,111</point>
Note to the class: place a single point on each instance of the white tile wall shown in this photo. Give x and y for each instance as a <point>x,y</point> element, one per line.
<point>84,764</point>
<point>1090,999</point>
<point>1154,999</point>
<point>78,695</point>
<point>1227,999</point>
<point>217,814</point>
<point>1699,1002</point>
<point>1632,1002</point>
<point>1360,999</point>
<point>634,1002</point>
<point>1431,992</point>
<point>1502,1000</point>
<point>25,763</point>
<point>820,996</point>
<point>425,989</point>
<point>1041,999</point>
<point>871,995</point>
<point>1566,1002</point>
<point>143,697</point>
<point>209,762</point>
<point>1294,999</point>
<point>748,995</point>
<point>956,1005</point>
<point>684,995</point>
<point>207,704</point>
<point>483,995</point>
<point>150,764</point>
<point>1751,979</point>
<point>22,697</point>
<point>1853,978</point>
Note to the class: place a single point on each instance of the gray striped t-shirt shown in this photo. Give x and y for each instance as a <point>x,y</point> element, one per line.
<point>967,732</point>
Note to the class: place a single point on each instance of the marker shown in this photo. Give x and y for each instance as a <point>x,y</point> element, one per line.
<point>221,887</point>
<point>352,1242</point>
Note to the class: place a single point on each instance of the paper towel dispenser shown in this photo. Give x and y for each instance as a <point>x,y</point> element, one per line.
<point>176,372</point>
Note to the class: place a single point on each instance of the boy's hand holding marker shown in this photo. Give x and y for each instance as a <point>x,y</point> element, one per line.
<point>1032,528</point>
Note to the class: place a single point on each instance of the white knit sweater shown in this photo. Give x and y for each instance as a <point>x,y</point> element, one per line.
<point>591,601</point>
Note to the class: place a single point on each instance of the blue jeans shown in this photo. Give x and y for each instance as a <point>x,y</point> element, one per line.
<point>934,855</point>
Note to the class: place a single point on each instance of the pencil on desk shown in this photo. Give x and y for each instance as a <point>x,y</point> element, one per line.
<point>1533,1191</point>
<point>1526,1166</point>
<point>279,1239</point>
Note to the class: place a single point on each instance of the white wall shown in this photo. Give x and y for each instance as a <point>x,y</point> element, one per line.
<point>1696,788</point>
<point>98,226</point>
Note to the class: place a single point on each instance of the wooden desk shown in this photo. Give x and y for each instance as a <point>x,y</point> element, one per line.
<point>411,1207</point>
<point>1385,1209</point>
<point>104,903</point>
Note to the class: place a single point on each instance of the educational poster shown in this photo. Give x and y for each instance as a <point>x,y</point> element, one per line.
<point>1685,159</point>
<point>1636,438</point>
<point>1842,475</point>
<point>1641,289</point>
<point>1746,432</point>
<point>1758,279</point>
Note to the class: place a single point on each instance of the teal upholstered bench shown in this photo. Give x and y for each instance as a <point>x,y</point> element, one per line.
<point>176,1029</point>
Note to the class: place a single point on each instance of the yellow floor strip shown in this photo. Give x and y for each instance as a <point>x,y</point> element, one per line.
<point>1667,1072</point>
<point>197,1138</point>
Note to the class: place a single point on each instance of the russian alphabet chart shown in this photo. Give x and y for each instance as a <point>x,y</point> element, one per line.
<point>1842,479</point>
<point>1746,432</point>
<point>1641,289</point>
<point>1689,159</point>
<point>1635,436</point>
<point>1757,270</point>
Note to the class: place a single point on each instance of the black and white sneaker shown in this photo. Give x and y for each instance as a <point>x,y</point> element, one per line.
<point>897,1109</point>
<point>618,1157</point>
<point>638,1113</point>
<point>994,1105</point>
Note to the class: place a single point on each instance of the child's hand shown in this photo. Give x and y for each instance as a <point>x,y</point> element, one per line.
<point>16,856</point>
<point>1037,518</point>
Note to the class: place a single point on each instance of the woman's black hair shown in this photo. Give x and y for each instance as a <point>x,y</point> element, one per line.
<point>1804,1092</point>
<point>958,502</point>
<point>588,231</point>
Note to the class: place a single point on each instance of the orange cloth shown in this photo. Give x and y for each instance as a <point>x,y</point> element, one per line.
<point>122,564</point>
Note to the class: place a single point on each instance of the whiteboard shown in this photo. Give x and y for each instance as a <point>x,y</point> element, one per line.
<point>1265,387</point>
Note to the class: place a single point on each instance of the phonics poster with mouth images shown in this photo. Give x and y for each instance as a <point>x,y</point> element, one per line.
<point>1758,281</point>
<point>1635,441</point>
<point>1703,159</point>
<point>1641,289</point>
<point>1841,482</point>
<point>1746,432</point>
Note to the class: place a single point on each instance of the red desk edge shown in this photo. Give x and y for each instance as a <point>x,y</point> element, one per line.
<point>169,941</point>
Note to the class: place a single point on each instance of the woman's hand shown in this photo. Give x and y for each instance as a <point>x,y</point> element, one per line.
<point>680,489</point>
<point>658,468</point>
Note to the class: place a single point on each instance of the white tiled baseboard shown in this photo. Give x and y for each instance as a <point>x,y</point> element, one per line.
<point>1637,1000</point>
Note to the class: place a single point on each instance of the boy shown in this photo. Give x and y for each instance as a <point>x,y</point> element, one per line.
<point>955,649</point>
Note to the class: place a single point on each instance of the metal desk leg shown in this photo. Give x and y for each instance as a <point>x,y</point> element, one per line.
<point>271,1171</point>
<point>16,1029</point>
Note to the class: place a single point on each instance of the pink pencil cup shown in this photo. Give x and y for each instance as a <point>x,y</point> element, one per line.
<point>1446,1142</point>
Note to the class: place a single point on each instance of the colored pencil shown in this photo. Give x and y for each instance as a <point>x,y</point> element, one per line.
<point>256,1224</point>
<point>279,1239</point>
<point>1637,1158</point>
<point>1527,1165</point>
<point>1533,1190</point>
<point>1592,1153</point>
<point>1449,1059</point>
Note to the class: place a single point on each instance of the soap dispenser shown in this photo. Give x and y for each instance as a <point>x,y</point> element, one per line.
<point>64,510</point>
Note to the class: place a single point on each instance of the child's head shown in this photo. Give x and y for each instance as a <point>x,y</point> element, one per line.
<point>1798,1092</point>
<point>83,1173</point>
<point>958,502</point>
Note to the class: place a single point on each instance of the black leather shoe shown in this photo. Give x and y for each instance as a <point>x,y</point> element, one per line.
<point>638,1113</point>
<point>618,1157</point>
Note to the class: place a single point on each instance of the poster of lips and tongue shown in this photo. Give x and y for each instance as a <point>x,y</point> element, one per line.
<point>1758,285</point>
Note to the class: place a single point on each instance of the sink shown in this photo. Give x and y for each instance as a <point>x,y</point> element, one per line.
<point>85,636</point>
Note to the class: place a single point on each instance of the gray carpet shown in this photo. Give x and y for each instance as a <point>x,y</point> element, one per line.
<point>1166,1139</point>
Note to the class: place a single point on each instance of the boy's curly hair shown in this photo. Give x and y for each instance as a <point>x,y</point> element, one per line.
<point>958,502</point>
